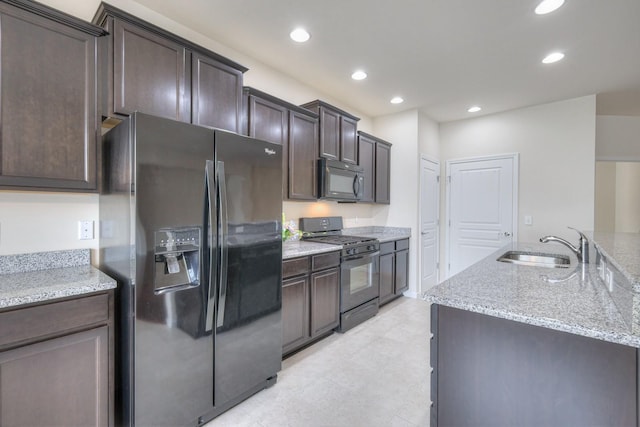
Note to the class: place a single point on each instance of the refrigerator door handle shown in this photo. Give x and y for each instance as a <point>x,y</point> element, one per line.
<point>211,198</point>
<point>222,240</point>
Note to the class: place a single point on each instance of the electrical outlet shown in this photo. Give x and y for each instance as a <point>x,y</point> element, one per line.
<point>85,230</point>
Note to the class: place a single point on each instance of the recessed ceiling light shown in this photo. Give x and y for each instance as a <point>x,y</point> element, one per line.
<point>474,109</point>
<point>299,35</point>
<point>359,75</point>
<point>548,6</point>
<point>397,100</point>
<point>553,57</point>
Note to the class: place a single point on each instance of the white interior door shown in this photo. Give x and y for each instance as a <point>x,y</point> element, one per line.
<point>429,222</point>
<point>482,208</point>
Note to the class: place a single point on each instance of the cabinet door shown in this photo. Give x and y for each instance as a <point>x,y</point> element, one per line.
<point>48,118</point>
<point>383,173</point>
<point>270,122</point>
<point>62,381</point>
<point>366,160</point>
<point>303,155</point>
<point>329,134</point>
<point>216,98</point>
<point>387,275</point>
<point>401,272</point>
<point>295,312</point>
<point>325,301</point>
<point>150,74</point>
<point>348,140</point>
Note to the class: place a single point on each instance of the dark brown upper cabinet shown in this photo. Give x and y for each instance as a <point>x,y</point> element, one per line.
<point>383,172</point>
<point>48,123</point>
<point>338,132</point>
<point>154,71</point>
<point>216,99</point>
<point>367,161</point>
<point>149,73</point>
<point>296,129</point>
<point>303,155</point>
<point>374,156</point>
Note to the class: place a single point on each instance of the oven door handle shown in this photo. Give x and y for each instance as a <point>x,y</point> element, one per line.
<point>361,256</point>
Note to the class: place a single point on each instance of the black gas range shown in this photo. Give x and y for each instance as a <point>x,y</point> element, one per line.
<point>329,230</point>
<point>359,268</point>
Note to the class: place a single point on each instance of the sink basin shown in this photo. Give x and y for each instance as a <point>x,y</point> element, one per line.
<point>536,259</point>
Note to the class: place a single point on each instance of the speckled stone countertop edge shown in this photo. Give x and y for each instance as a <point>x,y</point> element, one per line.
<point>511,286</point>
<point>22,263</point>
<point>47,285</point>
<point>633,280</point>
<point>45,276</point>
<point>624,339</point>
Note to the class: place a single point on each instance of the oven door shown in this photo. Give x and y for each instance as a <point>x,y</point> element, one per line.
<point>359,280</point>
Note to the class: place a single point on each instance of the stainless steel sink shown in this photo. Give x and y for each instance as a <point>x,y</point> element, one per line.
<point>536,259</point>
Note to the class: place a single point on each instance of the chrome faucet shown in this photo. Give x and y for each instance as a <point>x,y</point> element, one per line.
<point>582,252</point>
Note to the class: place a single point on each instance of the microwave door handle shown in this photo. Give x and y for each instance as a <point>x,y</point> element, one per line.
<point>356,185</point>
<point>210,221</point>
<point>222,241</point>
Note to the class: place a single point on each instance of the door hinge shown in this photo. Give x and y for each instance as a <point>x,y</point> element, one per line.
<point>449,266</point>
<point>437,265</point>
<point>438,179</point>
<point>449,223</point>
<point>449,179</point>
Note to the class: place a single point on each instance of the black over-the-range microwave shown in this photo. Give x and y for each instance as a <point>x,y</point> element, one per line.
<point>339,181</point>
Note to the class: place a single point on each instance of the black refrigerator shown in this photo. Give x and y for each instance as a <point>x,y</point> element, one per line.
<point>190,227</point>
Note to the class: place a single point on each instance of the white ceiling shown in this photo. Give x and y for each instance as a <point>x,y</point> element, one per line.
<point>441,56</point>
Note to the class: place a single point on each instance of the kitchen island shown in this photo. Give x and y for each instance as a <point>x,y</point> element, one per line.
<point>525,345</point>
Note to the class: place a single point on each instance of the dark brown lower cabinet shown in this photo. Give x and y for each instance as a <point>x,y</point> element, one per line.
<point>394,269</point>
<point>56,363</point>
<point>310,299</point>
<point>295,312</point>
<point>496,372</point>
<point>325,301</point>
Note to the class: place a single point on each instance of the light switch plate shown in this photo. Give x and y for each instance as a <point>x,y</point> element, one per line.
<point>528,220</point>
<point>85,231</point>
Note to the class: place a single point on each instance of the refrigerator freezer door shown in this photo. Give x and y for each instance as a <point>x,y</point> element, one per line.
<point>173,352</point>
<point>248,341</point>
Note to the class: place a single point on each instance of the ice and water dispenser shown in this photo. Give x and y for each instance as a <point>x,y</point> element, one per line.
<point>177,259</point>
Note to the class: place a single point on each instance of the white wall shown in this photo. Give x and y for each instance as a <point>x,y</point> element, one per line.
<point>34,221</point>
<point>556,143</point>
<point>605,197</point>
<point>428,136</point>
<point>627,194</point>
<point>401,130</point>
<point>39,222</point>
<point>618,138</point>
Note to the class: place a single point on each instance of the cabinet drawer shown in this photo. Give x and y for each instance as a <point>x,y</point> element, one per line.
<point>387,247</point>
<point>27,324</point>
<point>319,262</point>
<point>402,244</point>
<point>295,266</point>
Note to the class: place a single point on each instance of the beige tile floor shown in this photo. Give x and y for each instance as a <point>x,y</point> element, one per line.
<point>376,374</point>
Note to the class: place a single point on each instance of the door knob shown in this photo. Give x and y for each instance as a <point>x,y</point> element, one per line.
<point>507,234</point>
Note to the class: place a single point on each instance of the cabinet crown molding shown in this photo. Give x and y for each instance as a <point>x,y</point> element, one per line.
<point>56,15</point>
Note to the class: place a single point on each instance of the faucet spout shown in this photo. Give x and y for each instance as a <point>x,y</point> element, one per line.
<point>582,252</point>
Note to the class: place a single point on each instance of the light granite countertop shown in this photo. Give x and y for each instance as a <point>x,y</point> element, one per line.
<point>44,276</point>
<point>570,299</point>
<point>623,250</point>
<point>297,248</point>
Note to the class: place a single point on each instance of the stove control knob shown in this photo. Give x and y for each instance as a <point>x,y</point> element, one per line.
<point>370,247</point>
<point>350,251</point>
